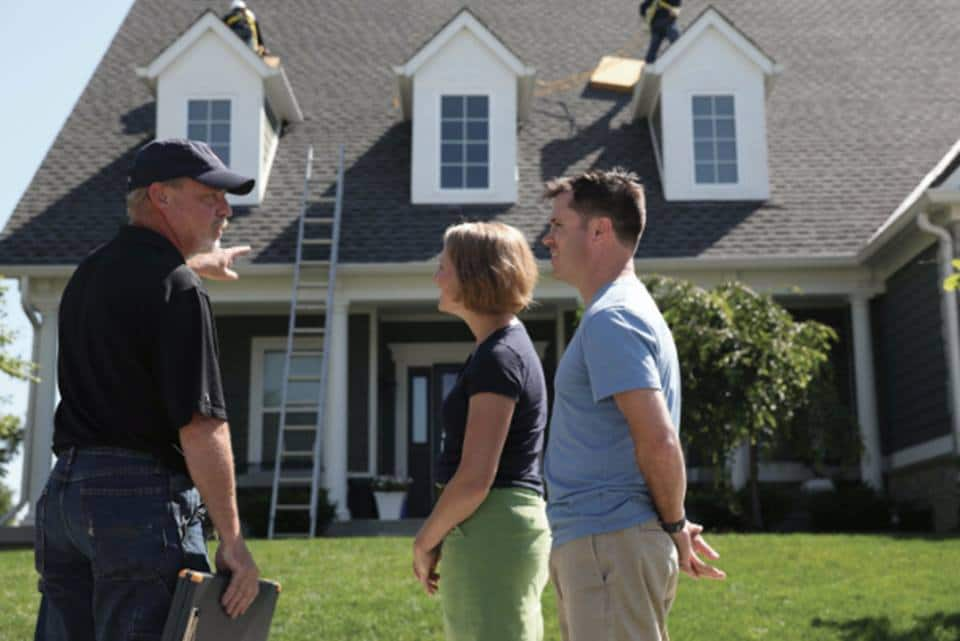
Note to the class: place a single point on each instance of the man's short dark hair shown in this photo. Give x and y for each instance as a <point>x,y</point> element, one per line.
<point>615,194</point>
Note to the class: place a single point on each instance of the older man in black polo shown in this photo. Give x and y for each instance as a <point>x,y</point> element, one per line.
<point>141,426</point>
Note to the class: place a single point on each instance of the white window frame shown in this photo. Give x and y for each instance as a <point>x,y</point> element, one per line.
<point>259,346</point>
<point>208,98</point>
<point>693,142</point>
<point>464,192</point>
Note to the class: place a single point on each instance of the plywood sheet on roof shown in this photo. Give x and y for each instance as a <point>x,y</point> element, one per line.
<point>617,74</point>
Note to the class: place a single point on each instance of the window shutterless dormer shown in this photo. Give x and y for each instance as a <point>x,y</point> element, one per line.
<point>211,86</point>
<point>704,100</point>
<point>466,92</point>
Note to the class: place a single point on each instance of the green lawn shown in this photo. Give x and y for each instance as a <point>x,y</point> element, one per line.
<point>780,588</point>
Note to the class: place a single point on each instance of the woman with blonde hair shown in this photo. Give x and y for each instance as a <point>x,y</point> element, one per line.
<point>490,517</point>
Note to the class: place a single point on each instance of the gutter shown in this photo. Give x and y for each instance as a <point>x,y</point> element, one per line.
<point>951,328</point>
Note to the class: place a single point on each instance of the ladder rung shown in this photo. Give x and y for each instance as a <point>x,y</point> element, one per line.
<point>313,284</point>
<point>308,330</point>
<point>304,378</point>
<point>298,453</point>
<point>293,506</point>
<point>301,428</point>
<point>311,307</point>
<point>292,480</point>
<point>317,241</point>
<point>315,263</point>
<point>318,220</point>
<point>291,535</point>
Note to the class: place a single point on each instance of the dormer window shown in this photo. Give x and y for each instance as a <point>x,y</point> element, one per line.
<point>705,103</point>
<point>210,86</point>
<point>466,94</point>
<point>714,140</point>
<point>465,142</point>
<point>209,121</point>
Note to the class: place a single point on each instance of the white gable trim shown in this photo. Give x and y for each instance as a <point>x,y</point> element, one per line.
<point>278,86</point>
<point>711,18</point>
<point>464,20</point>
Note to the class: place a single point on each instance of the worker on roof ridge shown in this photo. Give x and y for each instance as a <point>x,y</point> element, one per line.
<point>244,23</point>
<point>661,18</point>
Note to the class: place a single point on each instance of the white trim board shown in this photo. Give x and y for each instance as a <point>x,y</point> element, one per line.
<point>932,449</point>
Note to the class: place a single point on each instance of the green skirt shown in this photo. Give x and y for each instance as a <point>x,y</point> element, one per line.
<point>494,568</point>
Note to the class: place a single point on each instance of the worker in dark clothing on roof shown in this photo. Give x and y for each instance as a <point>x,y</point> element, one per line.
<point>661,17</point>
<point>243,22</point>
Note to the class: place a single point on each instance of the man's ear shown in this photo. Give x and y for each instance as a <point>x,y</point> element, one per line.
<point>158,194</point>
<point>600,226</point>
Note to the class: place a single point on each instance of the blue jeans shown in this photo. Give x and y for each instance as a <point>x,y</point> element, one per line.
<point>114,527</point>
<point>656,39</point>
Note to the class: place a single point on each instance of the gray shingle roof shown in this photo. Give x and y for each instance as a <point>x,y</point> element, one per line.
<point>866,105</point>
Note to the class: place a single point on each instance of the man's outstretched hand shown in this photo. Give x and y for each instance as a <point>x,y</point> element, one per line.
<point>218,264</point>
<point>689,545</point>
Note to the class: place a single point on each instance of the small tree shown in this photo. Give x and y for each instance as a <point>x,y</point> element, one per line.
<point>10,366</point>
<point>746,367</point>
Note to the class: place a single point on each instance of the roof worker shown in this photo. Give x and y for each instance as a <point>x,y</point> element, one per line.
<point>661,18</point>
<point>244,23</point>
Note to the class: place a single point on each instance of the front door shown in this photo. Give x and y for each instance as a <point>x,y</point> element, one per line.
<point>427,387</point>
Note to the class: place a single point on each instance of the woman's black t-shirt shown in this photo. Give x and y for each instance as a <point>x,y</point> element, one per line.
<point>506,363</point>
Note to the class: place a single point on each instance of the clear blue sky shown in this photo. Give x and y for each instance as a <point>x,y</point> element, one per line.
<point>52,47</point>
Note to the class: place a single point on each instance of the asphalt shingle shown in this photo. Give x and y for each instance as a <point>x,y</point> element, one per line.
<point>865,106</point>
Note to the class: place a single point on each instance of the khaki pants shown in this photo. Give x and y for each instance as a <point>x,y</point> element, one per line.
<point>616,586</point>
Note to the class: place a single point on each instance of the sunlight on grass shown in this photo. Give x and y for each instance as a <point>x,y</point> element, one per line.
<point>781,587</point>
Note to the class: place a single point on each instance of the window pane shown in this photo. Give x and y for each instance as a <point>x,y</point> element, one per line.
<point>702,128</point>
<point>477,107</point>
<point>727,173</point>
<point>703,151</point>
<point>477,177</point>
<point>197,132</point>
<point>223,152</point>
<point>452,131</point>
<point>726,128</point>
<point>272,375</point>
<point>477,130</point>
<point>220,110</point>
<point>477,152</point>
<point>197,109</point>
<point>727,151</point>
<point>705,173</point>
<point>702,105</point>
<point>723,105</point>
<point>220,133</point>
<point>451,177</point>
<point>418,409</point>
<point>451,153</point>
<point>451,107</point>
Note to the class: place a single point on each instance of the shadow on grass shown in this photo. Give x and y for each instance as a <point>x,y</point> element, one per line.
<point>939,627</point>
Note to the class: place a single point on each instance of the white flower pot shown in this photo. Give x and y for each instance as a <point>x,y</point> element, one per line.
<point>389,504</point>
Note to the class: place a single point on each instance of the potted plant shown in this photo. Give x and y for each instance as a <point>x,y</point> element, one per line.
<point>389,492</point>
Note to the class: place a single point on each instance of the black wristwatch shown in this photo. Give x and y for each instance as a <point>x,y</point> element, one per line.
<point>673,528</point>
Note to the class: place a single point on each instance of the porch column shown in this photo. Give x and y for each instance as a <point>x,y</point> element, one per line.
<point>335,434</point>
<point>871,469</point>
<point>37,455</point>
<point>740,466</point>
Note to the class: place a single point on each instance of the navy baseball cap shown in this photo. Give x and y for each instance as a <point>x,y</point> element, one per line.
<point>163,160</point>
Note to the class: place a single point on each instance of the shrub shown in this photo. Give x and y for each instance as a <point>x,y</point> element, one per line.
<point>851,508</point>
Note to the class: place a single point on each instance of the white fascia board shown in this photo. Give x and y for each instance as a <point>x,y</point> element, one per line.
<point>464,20</point>
<point>712,18</point>
<point>281,96</point>
<point>905,213</point>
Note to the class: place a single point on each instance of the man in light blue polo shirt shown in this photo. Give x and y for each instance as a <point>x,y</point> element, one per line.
<point>615,473</point>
